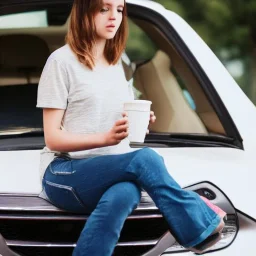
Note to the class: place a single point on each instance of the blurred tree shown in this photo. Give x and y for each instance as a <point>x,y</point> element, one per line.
<point>134,47</point>
<point>229,28</point>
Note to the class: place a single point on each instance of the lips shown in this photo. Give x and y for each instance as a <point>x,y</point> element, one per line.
<point>111,26</point>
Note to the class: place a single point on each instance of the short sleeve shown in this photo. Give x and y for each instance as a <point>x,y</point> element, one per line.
<point>53,86</point>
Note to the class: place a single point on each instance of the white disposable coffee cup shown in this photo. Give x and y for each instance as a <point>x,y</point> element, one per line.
<point>138,118</point>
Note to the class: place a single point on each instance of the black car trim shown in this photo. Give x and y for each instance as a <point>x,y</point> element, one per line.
<point>10,6</point>
<point>246,215</point>
<point>20,243</point>
<point>163,24</point>
<point>35,141</point>
<point>161,141</point>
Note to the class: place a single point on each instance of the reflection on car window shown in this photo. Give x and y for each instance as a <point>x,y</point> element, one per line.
<point>24,20</point>
<point>189,99</point>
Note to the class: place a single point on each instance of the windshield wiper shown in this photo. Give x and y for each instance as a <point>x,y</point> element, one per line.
<point>189,140</point>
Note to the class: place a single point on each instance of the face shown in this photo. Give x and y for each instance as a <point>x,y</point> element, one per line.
<point>109,18</point>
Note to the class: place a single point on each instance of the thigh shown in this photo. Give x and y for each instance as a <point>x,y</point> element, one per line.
<point>118,201</point>
<point>86,180</point>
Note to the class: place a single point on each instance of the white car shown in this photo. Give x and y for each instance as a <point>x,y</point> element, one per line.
<point>209,148</point>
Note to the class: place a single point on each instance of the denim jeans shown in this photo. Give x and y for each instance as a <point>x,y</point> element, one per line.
<point>109,186</point>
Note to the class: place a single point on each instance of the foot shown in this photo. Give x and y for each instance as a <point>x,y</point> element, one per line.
<point>210,240</point>
<point>206,244</point>
<point>215,208</point>
<point>219,228</point>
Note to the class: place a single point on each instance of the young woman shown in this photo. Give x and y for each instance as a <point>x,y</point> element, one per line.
<point>87,165</point>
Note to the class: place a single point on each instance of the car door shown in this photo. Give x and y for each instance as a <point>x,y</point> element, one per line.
<point>214,156</point>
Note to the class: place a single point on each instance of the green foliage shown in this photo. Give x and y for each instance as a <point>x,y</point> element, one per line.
<point>227,26</point>
<point>139,46</point>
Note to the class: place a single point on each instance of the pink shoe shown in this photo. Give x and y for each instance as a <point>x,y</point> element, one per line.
<point>215,208</point>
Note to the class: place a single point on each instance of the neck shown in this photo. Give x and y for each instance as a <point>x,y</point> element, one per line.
<point>98,50</point>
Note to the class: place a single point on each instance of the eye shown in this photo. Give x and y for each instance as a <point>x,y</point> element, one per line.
<point>103,10</point>
<point>120,10</point>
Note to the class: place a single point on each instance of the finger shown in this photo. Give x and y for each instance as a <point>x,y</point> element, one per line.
<point>121,128</point>
<point>124,114</point>
<point>153,119</point>
<point>147,131</point>
<point>121,121</point>
<point>117,142</point>
<point>121,136</point>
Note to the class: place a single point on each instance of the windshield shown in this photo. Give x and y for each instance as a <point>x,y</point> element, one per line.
<point>24,20</point>
<point>27,38</point>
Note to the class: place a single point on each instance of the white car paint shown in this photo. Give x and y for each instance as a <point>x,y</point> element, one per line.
<point>148,3</point>
<point>229,169</point>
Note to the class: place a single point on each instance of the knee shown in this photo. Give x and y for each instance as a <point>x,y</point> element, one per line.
<point>123,197</point>
<point>148,152</point>
<point>148,156</point>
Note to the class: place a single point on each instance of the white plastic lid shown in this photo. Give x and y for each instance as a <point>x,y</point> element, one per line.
<point>139,105</point>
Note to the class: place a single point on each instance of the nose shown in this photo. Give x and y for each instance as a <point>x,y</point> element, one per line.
<point>113,15</point>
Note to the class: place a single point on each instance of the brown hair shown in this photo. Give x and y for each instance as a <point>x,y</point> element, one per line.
<point>82,32</point>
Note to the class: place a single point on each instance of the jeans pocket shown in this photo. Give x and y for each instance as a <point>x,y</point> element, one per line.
<point>61,166</point>
<point>64,197</point>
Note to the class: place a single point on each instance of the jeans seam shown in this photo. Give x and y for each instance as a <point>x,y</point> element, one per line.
<point>67,188</point>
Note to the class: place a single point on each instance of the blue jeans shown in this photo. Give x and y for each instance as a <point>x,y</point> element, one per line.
<point>108,187</point>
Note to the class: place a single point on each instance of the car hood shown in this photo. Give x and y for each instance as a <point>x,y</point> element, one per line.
<point>231,170</point>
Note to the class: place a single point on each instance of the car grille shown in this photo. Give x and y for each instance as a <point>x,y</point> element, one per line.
<point>33,227</point>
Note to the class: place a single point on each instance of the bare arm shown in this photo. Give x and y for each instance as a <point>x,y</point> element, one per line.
<point>63,141</point>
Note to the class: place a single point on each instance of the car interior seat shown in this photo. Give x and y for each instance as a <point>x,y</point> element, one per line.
<point>156,82</point>
<point>22,58</point>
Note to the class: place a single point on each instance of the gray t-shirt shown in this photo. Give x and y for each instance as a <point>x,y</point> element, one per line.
<point>92,99</point>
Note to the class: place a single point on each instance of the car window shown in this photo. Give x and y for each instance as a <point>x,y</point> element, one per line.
<point>161,75</point>
<point>24,20</point>
<point>22,57</point>
<point>134,47</point>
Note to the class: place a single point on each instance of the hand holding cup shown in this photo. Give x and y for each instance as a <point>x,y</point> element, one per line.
<point>118,132</point>
<point>139,116</point>
<point>152,119</point>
